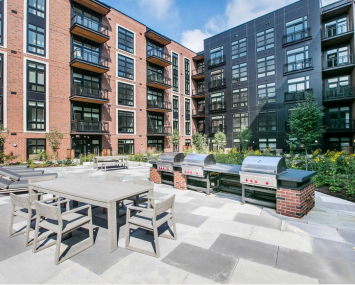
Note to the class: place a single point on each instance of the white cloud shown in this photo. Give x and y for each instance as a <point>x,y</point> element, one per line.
<point>159,9</point>
<point>193,39</point>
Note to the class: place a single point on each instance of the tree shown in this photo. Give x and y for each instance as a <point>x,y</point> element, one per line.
<point>174,138</point>
<point>305,126</point>
<point>199,142</point>
<point>244,138</point>
<point>54,138</point>
<point>220,139</point>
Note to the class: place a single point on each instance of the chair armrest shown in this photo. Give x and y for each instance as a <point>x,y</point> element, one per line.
<point>134,208</point>
<point>50,199</point>
<point>60,202</point>
<point>76,210</point>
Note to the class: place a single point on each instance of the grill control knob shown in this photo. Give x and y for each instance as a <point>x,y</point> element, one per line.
<point>191,172</point>
<point>267,183</point>
<point>256,181</point>
<point>168,169</point>
<point>246,180</point>
<point>197,173</point>
<point>251,181</point>
<point>185,171</point>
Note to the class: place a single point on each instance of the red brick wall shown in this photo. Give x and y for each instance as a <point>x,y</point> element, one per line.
<point>295,203</point>
<point>180,181</point>
<point>155,175</point>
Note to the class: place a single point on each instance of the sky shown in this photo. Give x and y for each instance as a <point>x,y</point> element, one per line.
<point>189,22</point>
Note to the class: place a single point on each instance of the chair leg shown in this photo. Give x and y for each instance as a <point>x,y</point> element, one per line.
<point>156,241</point>
<point>35,239</point>
<point>174,227</point>
<point>28,228</point>
<point>57,248</point>
<point>128,232</point>
<point>12,220</point>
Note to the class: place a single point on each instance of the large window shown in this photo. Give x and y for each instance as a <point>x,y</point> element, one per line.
<point>239,73</point>
<point>216,55</point>
<point>240,97</point>
<point>125,67</point>
<point>37,7</point>
<point>125,94</point>
<point>86,52</point>
<point>339,118</point>
<point>267,143</point>
<point>175,72</point>
<point>299,84</point>
<point>217,75</point>
<point>295,30</point>
<point>36,40</point>
<point>337,57</point>
<point>35,146</point>
<point>336,82</point>
<point>35,115</point>
<point>125,122</point>
<point>158,144</point>
<point>265,40</point>
<point>267,93</point>
<point>175,61</point>
<point>175,113</point>
<point>239,48</point>
<point>240,121</point>
<point>217,101</point>
<point>187,76</point>
<point>1,89</point>
<point>175,83</point>
<point>297,59</point>
<point>337,27</point>
<point>187,117</point>
<point>337,143</point>
<point>125,40</point>
<point>36,76</point>
<point>155,95</point>
<point>125,147</point>
<point>267,121</point>
<point>175,104</point>
<point>266,66</point>
<point>217,124</point>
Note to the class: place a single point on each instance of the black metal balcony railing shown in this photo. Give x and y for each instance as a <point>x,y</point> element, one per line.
<point>90,57</point>
<point>217,61</point>
<point>218,106</point>
<point>339,61</point>
<point>158,78</point>
<point>198,111</point>
<point>340,125</point>
<point>337,30</point>
<point>159,104</point>
<point>219,83</point>
<point>298,65</point>
<point>90,24</point>
<point>199,91</point>
<point>159,130</point>
<point>297,96</point>
<point>296,36</point>
<point>216,129</point>
<point>199,130</point>
<point>158,53</point>
<point>342,92</point>
<point>86,126</point>
<point>85,91</point>
<point>198,71</point>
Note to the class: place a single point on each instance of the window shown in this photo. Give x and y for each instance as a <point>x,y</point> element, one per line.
<point>37,7</point>
<point>175,72</point>
<point>187,66</point>
<point>1,25</point>
<point>267,143</point>
<point>239,48</point>
<point>187,117</point>
<point>158,144</point>
<point>336,143</point>
<point>217,124</point>
<point>35,146</point>
<point>155,95</point>
<point>1,90</point>
<point>337,57</point>
<point>239,73</point>
<point>125,147</point>
<point>297,59</point>
<point>36,37</point>
<point>36,76</point>
<point>298,84</point>
<point>125,94</point>
<point>87,85</point>
<point>176,83</point>
<point>125,122</point>
<point>155,73</point>
<point>216,55</point>
<point>187,76</point>
<point>125,40</point>
<point>266,66</point>
<point>125,67</point>
<point>176,113</point>
<point>201,126</point>
<point>175,61</point>
<point>267,121</point>
<point>240,97</point>
<point>86,52</point>
<point>336,82</point>
<point>265,40</point>
<point>240,121</point>
<point>296,29</point>
<point>187,107</point>
<point>187,86</point>
<point>217,75</point>
<point>267,93</point>
<point>175,123</point>
<point>217,101</point>
<point>187,142</point>
<point>88,20</point>
<point>175,104</point>
<point>236,144</point>
<point>35,115</point>
<point>339,118</point>
<point>336,27</point>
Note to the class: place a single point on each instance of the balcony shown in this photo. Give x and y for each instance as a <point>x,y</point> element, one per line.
<point>199,56</point>
<point>216,129</point>
<point>298,66</point>
<point>198,113</point>
<point>340,125</point>
<point>217,84</point>
<point>337,34</point>
<point>198,93</point>
<point>89,127</point>
<point>95,5</point>
<point>340,64</point>
<point>199,130</point>
<point>89,61</point>
<point>89,29</point>
<point>345,93</point>
<point>89,95</point>
<point>158,106</point>
<point>159,131</point>
<point>158,57</point>
<point>294,97</point>
<point>198,73</point>
<point>297,37</point>
<point>217,61</point>
<point>158,81</point>
<point>218,107</point>
<point>150,34</point>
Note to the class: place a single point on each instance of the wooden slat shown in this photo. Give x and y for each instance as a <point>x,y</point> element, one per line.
<point>199,76</point>
<point>158,61</point>
<point>198,96</point>
<point>157,38</point>
<point>157,85</point>
<point>87,34</point>
<point>93,6</point>
<point>199,57</point>
<point>158,110</point>
<point>88,67</point>
<point>87,100</point>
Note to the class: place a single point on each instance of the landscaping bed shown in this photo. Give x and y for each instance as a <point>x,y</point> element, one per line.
<point>341,194</point>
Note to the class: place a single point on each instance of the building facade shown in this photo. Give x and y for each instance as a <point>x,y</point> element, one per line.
<point>103,79</point>
<point>257,72</point>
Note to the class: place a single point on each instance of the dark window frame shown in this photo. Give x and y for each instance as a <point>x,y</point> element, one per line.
<point>36,70</point>
<point>269,88</point>
<point>36,122</point>
<point>239,72</point>
<point>239,48</point>
<point>126,127</point>
<point>264,38</point>
<point>264,66</point>
<point>240,97</point>
<point>125,73</point>
<point>125,87</point>
<point>124,45</point>
<point>125,143</point>
<point>36,145</point>
<point>240,120</point>
<point>35,46</point>
<point>268,124</point>
<point>36,9</point>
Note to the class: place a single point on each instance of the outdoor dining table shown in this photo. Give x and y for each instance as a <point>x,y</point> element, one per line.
<point>100,193</point>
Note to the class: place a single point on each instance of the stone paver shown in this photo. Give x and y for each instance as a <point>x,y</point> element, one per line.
<point>195,279</point>
<point>227,227</point>
<point>267,221</point>
<point>348,236</point>
<point>215,213</point>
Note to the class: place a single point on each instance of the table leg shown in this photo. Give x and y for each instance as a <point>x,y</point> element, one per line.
<point>112,226</point>
<point>136,202</point>
<point>75,204</point>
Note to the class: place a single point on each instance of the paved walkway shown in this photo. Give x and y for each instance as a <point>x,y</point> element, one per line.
<point>219,241</point>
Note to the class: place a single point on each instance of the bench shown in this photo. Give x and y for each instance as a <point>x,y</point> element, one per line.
<point>104,161</point>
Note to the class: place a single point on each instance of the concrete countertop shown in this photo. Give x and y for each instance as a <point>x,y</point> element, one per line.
<point>296,175</point>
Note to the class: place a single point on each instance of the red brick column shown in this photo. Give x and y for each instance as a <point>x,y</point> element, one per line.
<point>295,203</point>
<point>180,181</point>
<point>155,175</point>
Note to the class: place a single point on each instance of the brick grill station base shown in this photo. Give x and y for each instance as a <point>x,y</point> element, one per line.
<point>295,203</point>
<point>180,181</point>
<point>155,175</point>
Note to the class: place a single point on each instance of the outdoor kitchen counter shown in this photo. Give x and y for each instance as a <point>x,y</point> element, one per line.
<point>296,175</point>
<point>224,168</point>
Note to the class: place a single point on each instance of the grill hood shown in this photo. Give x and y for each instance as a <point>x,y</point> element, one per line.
<point>198,159</point>
<point>171,157</point>
<point>264,164</point>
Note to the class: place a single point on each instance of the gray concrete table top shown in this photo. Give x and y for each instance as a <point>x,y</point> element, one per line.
<point>296,175</point>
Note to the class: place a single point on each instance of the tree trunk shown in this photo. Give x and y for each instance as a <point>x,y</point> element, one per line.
<point>306,159</point>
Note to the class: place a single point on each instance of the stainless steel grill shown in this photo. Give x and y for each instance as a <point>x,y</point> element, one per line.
<point>195,163</point>
<point>262,171</point>
<point>167,159</point>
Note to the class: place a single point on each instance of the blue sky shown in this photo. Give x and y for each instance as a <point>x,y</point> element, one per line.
<point>190,21</point>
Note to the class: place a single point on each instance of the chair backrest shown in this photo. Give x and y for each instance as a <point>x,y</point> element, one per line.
<point>146,183</point>
<point>114,178</point>
<point>48,211</point>
<point>21,201</point>
<point>163,206</point>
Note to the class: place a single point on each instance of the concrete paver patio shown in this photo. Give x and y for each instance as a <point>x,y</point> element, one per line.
<point>219,241</point>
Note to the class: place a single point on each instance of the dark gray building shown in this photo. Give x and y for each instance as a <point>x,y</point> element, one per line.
<point>254,74</point>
